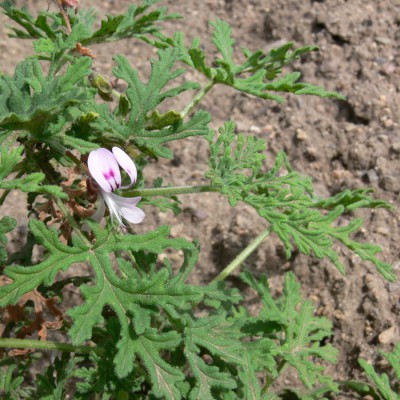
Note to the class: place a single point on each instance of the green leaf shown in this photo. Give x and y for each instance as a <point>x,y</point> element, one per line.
<point>211,334</point>
<point>286,200</point>
<point>38,28</point>
<point>145,127</point>
<point>256,75</point>
<point>145,97</point>
<point>32,183</point>
<point>12,385</point>
<point>30,101</point>
<point>365,251</point>
<point>207,377</point>
<point>158,121</point>
<point>224,43</point>
<point>7,224</point>
<point>52,385</point>
<point>289,83</point>
<point>9,158</point>
<point>148,347</point>
<point>382,381</point>
<point>299,342</point>
<point>230,155</point>
<point>252,389</point>
<point>125,295</point>
<point>136,22</point>
<point>222,39</point>
<point>351,200</point>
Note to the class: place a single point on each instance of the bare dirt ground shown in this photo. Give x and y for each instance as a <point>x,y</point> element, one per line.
<point>341,144</point>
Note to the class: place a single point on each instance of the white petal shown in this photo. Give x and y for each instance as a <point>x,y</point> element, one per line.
<point>124,201</point>
<point>112,204</point>
<point>124,207</point>
<point>133,214</point>
<point>104,169</point>
<point>99,214</point>
<point>126,163</point>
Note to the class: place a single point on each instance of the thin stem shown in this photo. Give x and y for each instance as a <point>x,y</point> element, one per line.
<point>270,381</point>
<point>76,161</point>
<point>171,191</point>
<point>116,94</point>
<point>47,345</point>
<point>71,220</point>
<point>196,100</point>
<point>242,256</point>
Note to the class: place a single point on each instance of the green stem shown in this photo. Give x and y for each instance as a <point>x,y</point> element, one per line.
<point>71,220</point>
<point>171,191</point>
<point>270,381</point>
<point>76,161</point>
<point>116,94</point>
<point>242,256</point>
<point>45,345</point>
<point>196,100</point>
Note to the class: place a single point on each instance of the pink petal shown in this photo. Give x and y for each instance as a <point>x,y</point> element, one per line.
<point>126,163</point>
<point>104,169</point>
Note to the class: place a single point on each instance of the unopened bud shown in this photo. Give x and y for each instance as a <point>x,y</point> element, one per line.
<point>103,85</point>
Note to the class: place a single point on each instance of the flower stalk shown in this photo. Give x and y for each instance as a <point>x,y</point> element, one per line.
<point>172,191</point>
<point>196,100</point>
<point>239,259</point>
<point>47,345</point>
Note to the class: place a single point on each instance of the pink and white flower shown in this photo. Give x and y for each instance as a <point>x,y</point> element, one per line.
<point>104,166</point>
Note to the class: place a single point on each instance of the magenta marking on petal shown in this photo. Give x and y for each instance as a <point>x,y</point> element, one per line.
<point>104,169</point>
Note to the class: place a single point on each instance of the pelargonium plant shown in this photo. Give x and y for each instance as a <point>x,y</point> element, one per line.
<point>75,142</point>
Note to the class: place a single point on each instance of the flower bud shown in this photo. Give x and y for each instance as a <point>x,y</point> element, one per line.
<point>103,86</point>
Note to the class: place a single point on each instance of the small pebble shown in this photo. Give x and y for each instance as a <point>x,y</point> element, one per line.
<point>383,40</point>
<point>395,147</point>
<point>301,135</point>
<point>388,336</point>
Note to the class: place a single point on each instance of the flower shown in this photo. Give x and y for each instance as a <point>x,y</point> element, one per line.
<point>104,168</point>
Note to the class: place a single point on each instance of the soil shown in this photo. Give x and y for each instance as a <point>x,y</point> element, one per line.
<point>340,144</point>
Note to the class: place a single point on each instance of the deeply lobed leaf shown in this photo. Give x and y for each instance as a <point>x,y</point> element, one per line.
<point>142,127</point>
<point>256,75</point>
<point>286,200</point>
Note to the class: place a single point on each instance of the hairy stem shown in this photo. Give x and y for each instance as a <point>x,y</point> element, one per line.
<point>171,191</point>
<point>71,220</point>
<point>196,100</point>
<point>242,256</point>
<point>45,345</point>
<point>270,381</point>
